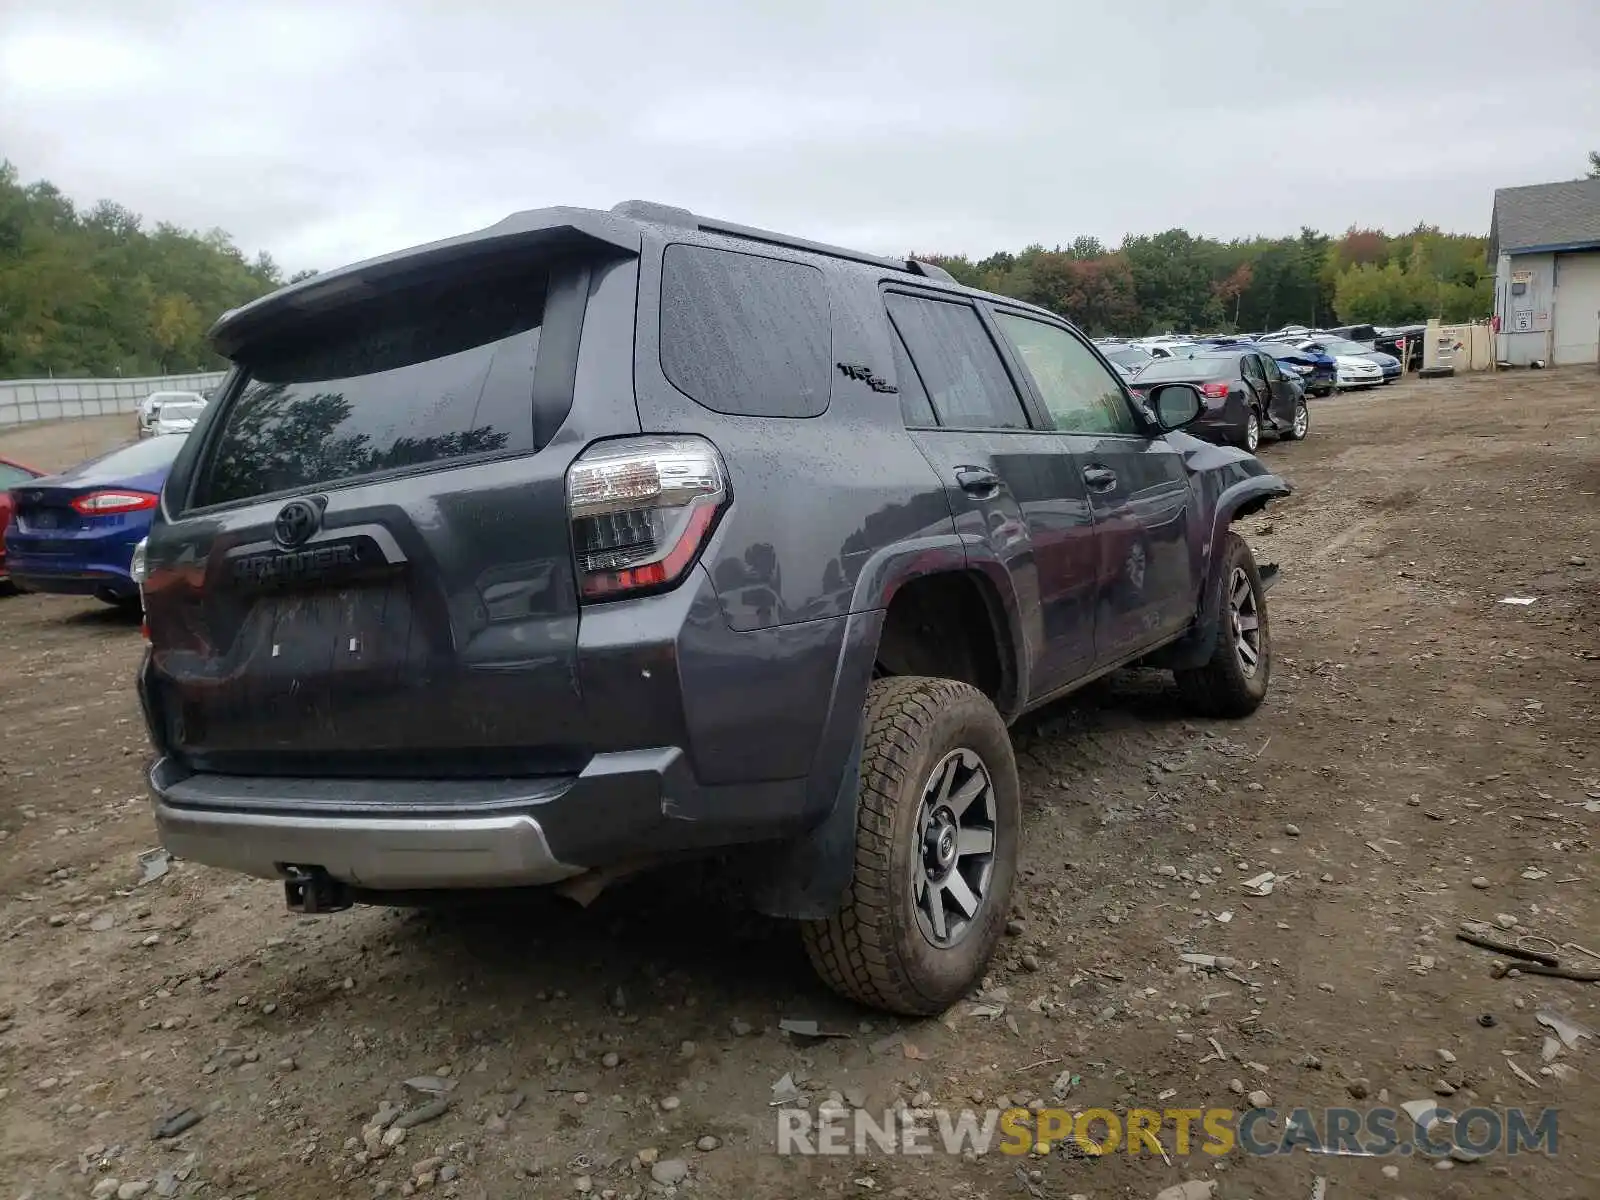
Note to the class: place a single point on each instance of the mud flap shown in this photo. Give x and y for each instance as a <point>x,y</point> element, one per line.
<point>806,878</point>
<point>1194,649</point>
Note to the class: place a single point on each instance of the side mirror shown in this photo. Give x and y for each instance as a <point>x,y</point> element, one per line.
<point>1175,404</point>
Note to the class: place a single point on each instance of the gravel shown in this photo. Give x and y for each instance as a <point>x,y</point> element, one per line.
<point>670,1172</point>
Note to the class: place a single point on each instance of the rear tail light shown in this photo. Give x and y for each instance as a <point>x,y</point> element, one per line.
<point>104,504</point>
<point>641,510</point>
<point>1214,391</point>
<point>138,565</point>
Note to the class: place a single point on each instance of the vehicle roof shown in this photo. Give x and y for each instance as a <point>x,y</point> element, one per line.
<point>623,229</point>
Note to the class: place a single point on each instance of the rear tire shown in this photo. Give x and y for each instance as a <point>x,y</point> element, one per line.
<point>927,904</point>
<point>1251,438</point>
<point>1300,426</point>
<point>1234,682</point>
<point>117,600</point>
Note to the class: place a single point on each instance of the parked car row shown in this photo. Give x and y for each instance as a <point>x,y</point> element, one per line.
<point>169,412</point>
<point>1322,361</point>
<point>1246,394</point>
<point>1250,390</point>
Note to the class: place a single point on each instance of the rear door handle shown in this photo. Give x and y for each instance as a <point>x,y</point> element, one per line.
<point>977,481</point>
<point>1100,479</point>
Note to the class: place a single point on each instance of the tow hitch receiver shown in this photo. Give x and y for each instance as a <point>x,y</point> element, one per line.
<point>313,890</point>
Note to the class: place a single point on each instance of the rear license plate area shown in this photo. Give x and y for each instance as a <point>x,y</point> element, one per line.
<point>333,632</point>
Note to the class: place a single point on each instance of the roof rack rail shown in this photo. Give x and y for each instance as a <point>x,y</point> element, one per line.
<point>667,214</point>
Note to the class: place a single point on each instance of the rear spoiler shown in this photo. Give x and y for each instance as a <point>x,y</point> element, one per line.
<point>547,229</point>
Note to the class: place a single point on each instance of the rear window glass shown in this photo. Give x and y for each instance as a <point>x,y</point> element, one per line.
<point>745,335</point>
<point>1220,367</point>
<point>414,377</point>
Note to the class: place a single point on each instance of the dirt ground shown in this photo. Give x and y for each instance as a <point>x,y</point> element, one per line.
<point>1427,755</point>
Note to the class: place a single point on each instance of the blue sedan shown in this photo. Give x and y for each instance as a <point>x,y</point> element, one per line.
<point>1314,369</point>
<point>75,532</point>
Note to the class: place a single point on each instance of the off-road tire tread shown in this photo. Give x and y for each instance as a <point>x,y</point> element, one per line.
<point>851,950</point>
<point>1220,688</point>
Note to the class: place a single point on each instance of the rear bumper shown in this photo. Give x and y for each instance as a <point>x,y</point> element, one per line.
<point>68,579</point>
<point>1220,424</point>
<point>628,807</point>
<point>684,753</point>
<point>370,852</point>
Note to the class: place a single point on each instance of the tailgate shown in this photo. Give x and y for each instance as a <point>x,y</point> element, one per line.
<point>369,571</point>
<point>428,626</point>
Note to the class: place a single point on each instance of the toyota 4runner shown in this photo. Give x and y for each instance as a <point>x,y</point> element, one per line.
<point>590,541</point>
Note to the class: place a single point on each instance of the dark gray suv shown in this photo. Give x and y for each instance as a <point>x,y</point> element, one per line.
<point>592,541</point>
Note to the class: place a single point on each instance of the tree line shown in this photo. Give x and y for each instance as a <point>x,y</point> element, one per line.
<point>95,292</point>
<point>1177,282</point>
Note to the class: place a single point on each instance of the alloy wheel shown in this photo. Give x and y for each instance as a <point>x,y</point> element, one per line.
<point>1244,621</point>
<point>1302,420</point>
<point>954,863</point>
<point>1252,432</point>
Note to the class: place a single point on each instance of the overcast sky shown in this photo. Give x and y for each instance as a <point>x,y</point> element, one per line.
<point>331,131</point>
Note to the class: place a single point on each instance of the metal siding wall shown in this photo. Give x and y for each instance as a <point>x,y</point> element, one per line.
<point>24,400</point>
<point>1576,338</point>
<point>1520,349</point>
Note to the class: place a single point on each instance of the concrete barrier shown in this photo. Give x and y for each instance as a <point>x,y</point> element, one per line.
<point>27,400</point>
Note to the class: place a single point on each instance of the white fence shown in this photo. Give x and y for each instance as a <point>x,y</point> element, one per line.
<point>61,399</point>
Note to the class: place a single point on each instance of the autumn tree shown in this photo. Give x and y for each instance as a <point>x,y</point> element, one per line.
<point>1230,291</point>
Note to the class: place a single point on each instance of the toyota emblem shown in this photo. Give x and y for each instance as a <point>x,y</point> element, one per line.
<point>297,521</point>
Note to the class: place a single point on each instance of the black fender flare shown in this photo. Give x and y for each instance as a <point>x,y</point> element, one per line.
<point>1239,499</point>
<point>806,877</point>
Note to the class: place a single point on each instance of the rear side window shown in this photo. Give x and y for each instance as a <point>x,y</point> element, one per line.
<point>745,335</point>
<point>415,377</point>
<point>959,366</point>
<point>915,407</point>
